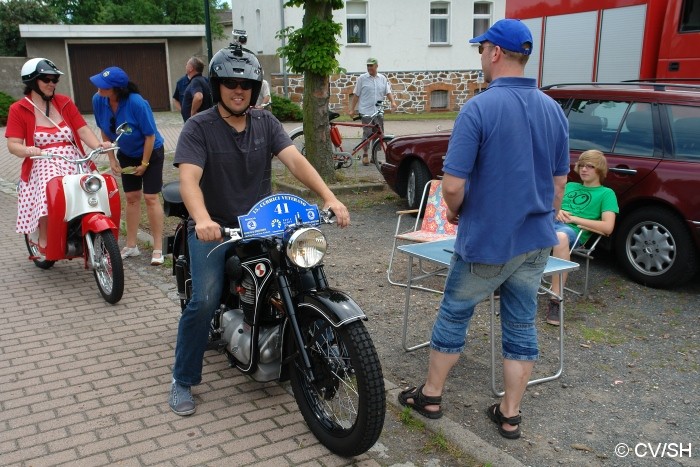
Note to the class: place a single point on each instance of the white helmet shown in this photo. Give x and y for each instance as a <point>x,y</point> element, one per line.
<point>38,66</point>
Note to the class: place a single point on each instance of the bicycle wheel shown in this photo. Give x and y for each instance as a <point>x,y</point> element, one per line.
<point>299,140</point>
<point>378,156</point>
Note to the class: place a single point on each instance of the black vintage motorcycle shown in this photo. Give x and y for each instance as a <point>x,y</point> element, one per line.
<point>280,320</point>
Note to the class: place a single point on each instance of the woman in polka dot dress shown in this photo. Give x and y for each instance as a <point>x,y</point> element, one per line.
<point>43,120</point>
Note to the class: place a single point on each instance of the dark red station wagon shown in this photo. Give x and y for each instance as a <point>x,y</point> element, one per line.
<point>650,135</point>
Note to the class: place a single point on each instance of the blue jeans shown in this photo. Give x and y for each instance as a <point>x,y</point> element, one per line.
<point>568,230</point>
<point>193,329</point>
<point>470,283</point>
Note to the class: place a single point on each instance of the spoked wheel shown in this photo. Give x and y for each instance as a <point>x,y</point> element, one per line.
<point>344,404</point>
<point>109,268</point>
<point>299,141</point>
<point>378,155</point>
<point>34,252</point>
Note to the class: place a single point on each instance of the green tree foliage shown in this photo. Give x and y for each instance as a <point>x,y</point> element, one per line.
<point>5,103</point>
<point>313,50</point>
<point>138,12</point>
<point>16,12</point>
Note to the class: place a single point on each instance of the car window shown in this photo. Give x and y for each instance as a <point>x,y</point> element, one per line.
<point>593,124</point>
<point>637,133</point>
<point>685,131</point>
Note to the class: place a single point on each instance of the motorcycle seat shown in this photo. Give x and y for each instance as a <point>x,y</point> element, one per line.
<point>172,201</point>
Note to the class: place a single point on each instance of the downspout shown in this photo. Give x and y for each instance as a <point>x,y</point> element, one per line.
<point>285,76</point>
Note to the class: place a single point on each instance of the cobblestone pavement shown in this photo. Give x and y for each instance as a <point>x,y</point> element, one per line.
<point>85,383</point>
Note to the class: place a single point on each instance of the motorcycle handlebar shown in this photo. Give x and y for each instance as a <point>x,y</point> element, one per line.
<point>327,216</point>
<point>234,234</point>
<point>94,153</point>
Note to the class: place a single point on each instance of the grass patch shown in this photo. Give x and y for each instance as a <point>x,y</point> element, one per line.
<point>409,421</point>
<point>438,443</point>
<point>602,336</point>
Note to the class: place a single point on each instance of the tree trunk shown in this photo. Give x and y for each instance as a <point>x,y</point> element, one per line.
<point>316,97</point>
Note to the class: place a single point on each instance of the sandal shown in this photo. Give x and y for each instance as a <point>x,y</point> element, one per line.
<point>494,413</point>
<point>420,401</point>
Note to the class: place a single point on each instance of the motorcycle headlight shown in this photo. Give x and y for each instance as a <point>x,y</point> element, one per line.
<point>91,184</point>
<point>306,247</point>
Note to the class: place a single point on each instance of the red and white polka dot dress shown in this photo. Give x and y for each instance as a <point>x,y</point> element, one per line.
<point>31,199</point>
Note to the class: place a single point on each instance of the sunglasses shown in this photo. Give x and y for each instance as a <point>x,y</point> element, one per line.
<point>234,83</point>
<point>483,47</point>
<point>48,79</point>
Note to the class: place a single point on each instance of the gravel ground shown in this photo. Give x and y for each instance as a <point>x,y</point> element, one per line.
<point>631,355</point>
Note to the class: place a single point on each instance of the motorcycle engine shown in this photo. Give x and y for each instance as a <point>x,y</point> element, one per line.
<point>237,331</point>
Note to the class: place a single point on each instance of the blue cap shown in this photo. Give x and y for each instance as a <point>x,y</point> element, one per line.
<point>112,77</point>
<point>508,34</point>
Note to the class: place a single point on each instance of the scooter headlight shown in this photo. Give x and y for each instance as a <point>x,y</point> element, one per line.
<point>306,247</point>
<point>90,184</point>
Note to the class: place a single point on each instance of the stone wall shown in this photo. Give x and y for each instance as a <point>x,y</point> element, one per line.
<point>411,89</point>
<point>10,71</point>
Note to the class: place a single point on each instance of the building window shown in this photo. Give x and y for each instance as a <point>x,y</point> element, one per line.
<point>438,100</point>
<point>356,13</point>
<point>482,17</point>
<point>439,22</point>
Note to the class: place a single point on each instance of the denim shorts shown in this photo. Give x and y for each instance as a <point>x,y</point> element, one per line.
<point>568,230</point>
<point>468,284</point>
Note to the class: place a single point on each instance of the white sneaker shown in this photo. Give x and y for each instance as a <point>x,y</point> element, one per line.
<point>129,251</point>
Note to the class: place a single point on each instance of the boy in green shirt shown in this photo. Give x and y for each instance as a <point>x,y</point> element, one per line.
<point>588,204</point>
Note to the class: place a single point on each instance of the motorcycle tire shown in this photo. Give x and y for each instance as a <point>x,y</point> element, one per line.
<point>109,270</point>
<point>345,405</point>
<point>36,255</point>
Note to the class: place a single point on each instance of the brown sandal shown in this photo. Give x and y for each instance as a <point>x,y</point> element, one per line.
<point>494,413</point>
<point>420,401</point>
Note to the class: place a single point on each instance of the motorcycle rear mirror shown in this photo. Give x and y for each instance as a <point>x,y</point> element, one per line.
<point>124,128</point>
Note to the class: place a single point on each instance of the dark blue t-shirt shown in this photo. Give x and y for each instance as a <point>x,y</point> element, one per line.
<point>237,166</point>
<point>197,84</point>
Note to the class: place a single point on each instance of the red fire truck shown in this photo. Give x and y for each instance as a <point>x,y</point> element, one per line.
<point>611,40</point>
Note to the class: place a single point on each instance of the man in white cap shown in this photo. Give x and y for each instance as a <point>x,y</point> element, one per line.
<point>370,88</point>
<point>505,172</point>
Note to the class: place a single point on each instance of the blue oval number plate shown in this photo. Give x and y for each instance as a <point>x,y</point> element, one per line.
<point>273,214</point>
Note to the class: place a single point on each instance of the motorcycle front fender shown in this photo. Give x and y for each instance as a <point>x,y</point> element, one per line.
<point>98,222</point>
<point>336,306</point>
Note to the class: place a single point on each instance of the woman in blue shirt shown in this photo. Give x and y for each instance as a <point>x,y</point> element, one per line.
<point>140,156</point>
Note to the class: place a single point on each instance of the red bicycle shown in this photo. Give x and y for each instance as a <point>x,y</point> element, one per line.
<point>375,143</point>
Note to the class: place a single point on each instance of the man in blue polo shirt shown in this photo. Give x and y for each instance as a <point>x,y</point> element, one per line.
<point>197,95</point>
<point>505,172</point>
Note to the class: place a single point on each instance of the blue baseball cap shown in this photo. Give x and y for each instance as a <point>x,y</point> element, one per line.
<point>508,34</point>
<point>112,77</point>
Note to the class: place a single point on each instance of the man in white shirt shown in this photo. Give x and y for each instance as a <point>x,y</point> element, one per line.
<point>370,88</point>
<point>264,96</point>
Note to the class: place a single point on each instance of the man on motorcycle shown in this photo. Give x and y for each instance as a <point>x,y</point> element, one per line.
<point>225,159</point>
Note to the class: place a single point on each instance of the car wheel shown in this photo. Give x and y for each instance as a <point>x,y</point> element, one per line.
<point>418,177</point>
<point>655,248</point>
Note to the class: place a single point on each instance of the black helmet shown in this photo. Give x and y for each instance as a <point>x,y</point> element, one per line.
<point>38,66</point>
<point>235,62</point>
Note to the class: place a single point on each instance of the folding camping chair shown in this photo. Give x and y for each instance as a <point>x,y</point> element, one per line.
<point>434,226</point>
<point>585,251</point>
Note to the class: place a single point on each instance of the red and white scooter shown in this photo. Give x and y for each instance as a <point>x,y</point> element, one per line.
<point>83,221</point>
